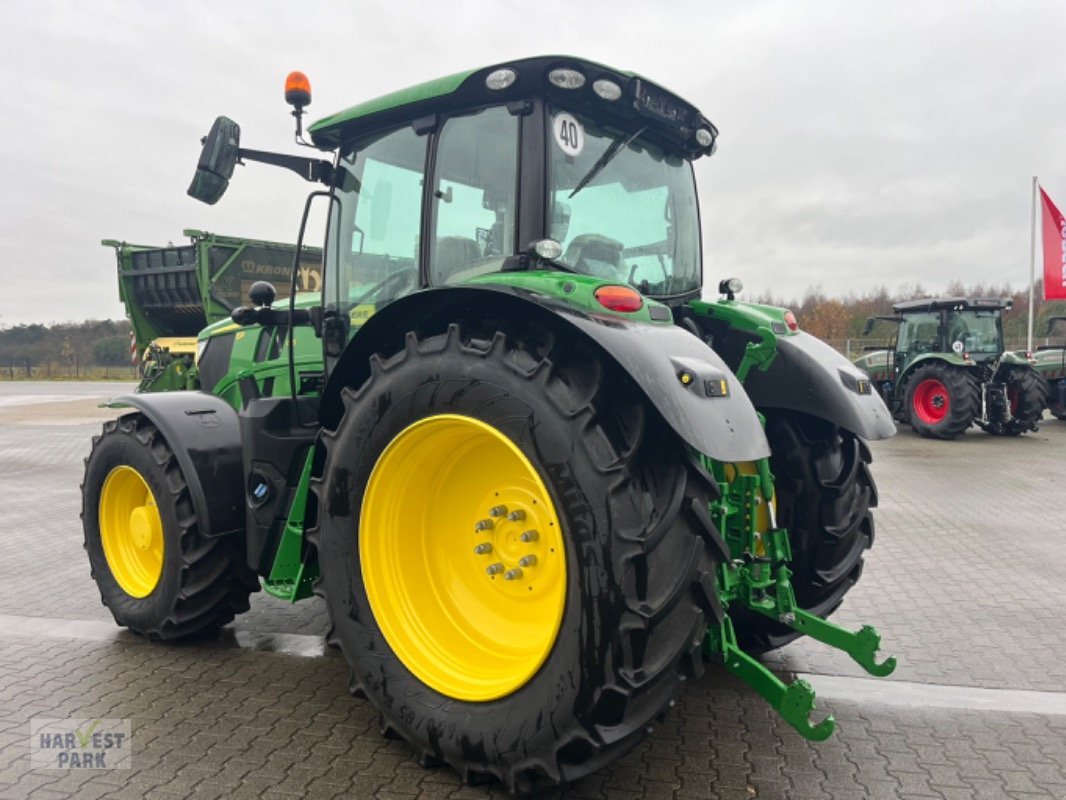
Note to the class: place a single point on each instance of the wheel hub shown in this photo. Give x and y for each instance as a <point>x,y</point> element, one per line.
<point>144,527</point>
<point>511,545</point>
<point>932,401</point>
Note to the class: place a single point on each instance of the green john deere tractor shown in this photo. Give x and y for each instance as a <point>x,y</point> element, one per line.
<point>1050,362</point>
<point>946,369</point>
<point>538,480</point>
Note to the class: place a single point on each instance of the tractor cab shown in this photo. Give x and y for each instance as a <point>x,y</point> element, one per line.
<point>972,329</point>
<point>542,164</point>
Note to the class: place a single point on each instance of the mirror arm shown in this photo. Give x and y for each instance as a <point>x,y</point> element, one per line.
<point>310,169</point>
<point>267,316</point>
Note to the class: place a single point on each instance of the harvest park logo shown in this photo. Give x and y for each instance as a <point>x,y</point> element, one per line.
<point>80,744</point>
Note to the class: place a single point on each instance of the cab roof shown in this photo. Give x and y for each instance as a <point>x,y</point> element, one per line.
<point>660,109</point>
<point>955,303</point>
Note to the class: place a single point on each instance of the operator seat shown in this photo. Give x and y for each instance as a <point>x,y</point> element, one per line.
<point>596,255</point>
<point>452,254</point>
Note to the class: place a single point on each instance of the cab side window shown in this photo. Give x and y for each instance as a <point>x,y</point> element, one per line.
<point>474,195</point>
<point>380,220</point>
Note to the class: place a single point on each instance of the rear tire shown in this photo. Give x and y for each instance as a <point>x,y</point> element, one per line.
<point>942,400</point>
<point>637,569</point>
<point>1027,392</point>
<point>193,584</point>
<point>824,494</point>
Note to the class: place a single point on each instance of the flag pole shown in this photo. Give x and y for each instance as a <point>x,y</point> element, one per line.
<point>1032,269</point>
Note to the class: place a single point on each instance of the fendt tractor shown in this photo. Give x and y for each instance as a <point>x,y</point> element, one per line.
<point>946,369</point>
<point>536,479</point>
<point>171,293</point>
<point>1051,364</point>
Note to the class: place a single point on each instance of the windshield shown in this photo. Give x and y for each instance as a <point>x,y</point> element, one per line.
<point>629,215</point>
<point>979,331</point>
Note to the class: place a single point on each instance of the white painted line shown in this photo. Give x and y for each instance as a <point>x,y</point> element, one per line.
<point>905,694</point>
<point>293,644</point>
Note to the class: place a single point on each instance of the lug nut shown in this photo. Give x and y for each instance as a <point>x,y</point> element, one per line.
<point>483,548</point>
<point>513,574</point>
<point>528,536</point>
<point>494,569</point>
<point>516,515</point>
<point>497,511</point>
<point>484,525</point>
<point>527,561</point>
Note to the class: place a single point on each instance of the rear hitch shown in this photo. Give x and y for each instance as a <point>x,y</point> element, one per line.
<point>757,578</point>
<point>793,701</point>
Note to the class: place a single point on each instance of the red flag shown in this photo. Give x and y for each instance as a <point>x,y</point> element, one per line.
<point>1054,250</point>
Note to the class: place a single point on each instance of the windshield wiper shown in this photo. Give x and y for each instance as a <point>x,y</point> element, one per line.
<point>608,155</point>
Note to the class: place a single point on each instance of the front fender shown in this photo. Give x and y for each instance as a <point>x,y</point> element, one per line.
<point>203,432</point>
<point>710,411</point>
<point>809,376</point>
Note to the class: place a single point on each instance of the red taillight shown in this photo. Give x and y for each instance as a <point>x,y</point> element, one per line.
<point>790,321</point>
<point>619,298</point>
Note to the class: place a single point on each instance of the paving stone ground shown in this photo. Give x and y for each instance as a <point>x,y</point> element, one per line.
<point>966,582</point>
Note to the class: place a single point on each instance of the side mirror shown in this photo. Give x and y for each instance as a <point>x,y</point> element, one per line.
<point>869,326</point>
<point>217,159</point>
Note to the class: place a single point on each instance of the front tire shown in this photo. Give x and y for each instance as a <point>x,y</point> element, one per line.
<point>825,495</point>
<point>941,400</point>
<point>631,566</point>
<point>156,573</point>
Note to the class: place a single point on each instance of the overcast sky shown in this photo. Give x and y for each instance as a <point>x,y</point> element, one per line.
<point>862,144</point>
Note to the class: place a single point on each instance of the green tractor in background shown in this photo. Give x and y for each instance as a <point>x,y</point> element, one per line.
<point>519,457</point>
<point>1050,362</point>
<point>946,369</point>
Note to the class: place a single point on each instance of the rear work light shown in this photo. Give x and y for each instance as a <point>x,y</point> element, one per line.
<point>619,298</point>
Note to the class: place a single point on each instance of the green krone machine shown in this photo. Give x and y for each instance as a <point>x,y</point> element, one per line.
<point>172,293</point>
<point>946,369</point>
<point>538,481</point>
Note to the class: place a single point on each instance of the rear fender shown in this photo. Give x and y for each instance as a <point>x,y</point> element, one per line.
<point>722,425</point>
<point>809,376</point>
<point>204,433</point>
<point>928,358</point>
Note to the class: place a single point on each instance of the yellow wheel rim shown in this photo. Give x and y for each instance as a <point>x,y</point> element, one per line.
<point>131,531</point>
<point>462,558</point>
